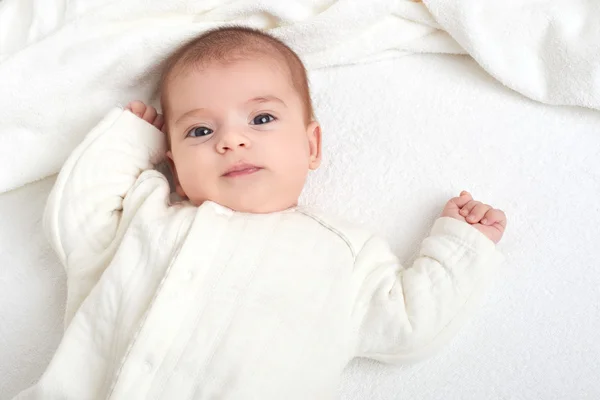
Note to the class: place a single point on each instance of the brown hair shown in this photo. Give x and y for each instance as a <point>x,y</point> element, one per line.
<point>230,44</point>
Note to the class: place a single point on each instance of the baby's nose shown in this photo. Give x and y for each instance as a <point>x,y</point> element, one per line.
<point>232,139</point>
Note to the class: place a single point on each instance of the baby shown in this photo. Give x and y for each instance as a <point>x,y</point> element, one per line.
<point>236,292</point>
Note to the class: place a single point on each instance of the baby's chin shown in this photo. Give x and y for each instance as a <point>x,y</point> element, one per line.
<point>251,205</point>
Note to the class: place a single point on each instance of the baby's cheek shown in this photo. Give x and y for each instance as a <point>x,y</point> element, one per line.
<point>289,158</point>
<point>297,167</point>
<point>190,171</point>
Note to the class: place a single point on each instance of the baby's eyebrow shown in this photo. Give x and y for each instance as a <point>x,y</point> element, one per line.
<point>189,114</point>
<point>266,99</point>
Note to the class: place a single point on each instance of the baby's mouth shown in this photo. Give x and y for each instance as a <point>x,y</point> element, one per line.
<point>241,170</point>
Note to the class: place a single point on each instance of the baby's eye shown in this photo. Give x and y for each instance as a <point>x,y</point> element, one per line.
<point>263,119</point>
<point>199,131</point>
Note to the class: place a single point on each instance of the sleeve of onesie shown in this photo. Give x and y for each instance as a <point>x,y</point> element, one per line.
<point>92,197</point>
<point>406,314</point>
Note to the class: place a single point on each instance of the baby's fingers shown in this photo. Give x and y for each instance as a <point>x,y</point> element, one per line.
<point>463,199</point>
<point>136,107</point>
<point>494,216</point>
<point>150,114</point>
<point>467,208</point>
<point>159,122</point>
<point>477,213</point>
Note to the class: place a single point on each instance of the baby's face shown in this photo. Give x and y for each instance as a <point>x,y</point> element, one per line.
<point>239,136</point>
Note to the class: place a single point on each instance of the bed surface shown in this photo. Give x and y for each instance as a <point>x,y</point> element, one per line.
<point>402,136</point>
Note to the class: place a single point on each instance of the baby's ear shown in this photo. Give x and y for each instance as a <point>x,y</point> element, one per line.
<point>313,133</point>
<point>174,179</point>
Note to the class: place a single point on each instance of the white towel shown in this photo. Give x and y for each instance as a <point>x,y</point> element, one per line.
<point>548,50</point>
<point>64,64</point>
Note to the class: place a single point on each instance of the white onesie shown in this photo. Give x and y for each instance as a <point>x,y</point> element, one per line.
<point>182,302</point>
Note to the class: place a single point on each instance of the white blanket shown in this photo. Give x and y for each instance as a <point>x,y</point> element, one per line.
<point>418,129</point>
<point>64,64</point>
<point>548,50</point>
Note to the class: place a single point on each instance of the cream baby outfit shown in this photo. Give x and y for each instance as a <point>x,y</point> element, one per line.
<point>182,302</point>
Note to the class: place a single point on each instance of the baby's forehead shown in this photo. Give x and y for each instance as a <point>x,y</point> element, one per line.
<point>275,66</point>
<point>258,76</point>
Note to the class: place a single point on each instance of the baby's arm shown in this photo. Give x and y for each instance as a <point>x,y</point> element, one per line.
<point>90,200</point>
<point>407,314</point>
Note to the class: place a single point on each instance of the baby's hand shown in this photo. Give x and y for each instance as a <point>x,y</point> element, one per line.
<point>147,113</point>
<point>489,221</point>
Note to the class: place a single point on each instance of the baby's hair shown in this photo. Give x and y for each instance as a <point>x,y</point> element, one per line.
<point>229,44</point>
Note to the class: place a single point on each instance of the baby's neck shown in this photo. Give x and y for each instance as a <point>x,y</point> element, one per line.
<point>291,207</point>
